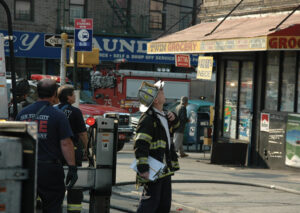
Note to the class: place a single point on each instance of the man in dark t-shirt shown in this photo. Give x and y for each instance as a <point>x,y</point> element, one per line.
<point>67,97</point>
<point>54,146</point>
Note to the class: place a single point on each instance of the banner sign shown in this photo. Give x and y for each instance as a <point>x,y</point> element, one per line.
<point>31,45</point>
<point>182,61</point>
<point>205,67</point>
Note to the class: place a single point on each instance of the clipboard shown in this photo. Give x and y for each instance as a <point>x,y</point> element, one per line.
<point>156,168</point>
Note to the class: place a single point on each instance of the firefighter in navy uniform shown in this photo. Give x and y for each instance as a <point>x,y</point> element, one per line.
<point>54,147</point>
<point>153,138</point>
<point>67,97</point>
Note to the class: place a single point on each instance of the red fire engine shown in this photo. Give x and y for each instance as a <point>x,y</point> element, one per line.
<point>120,88</point>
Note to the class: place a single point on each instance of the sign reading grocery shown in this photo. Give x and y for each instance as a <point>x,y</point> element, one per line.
<point>209,46</point>
<point>182,61</point>
<point>205,67</point>
<point>174,47</point>
<point>284,42</point>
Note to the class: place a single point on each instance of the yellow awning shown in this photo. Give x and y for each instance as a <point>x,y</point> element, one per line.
<point>233,35</point>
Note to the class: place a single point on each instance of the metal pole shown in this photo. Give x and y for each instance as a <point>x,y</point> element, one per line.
<point>64,38</point>
<point>12,57</point>
<point>75,70</point>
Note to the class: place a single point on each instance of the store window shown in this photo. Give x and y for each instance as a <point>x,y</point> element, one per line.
<point>157,15</point>
<point>281,82</point>
<point>231,97</point>
<point>77,8</point>
<point>245,106</point>
<point>24,10</point>
<point>272,81</point>
<point>288,82</point>
<point>238,100</point>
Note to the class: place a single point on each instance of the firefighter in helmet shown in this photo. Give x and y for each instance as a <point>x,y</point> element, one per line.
<point>21,91</point>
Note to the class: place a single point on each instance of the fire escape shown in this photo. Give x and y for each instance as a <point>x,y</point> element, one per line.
<point>123,15</point>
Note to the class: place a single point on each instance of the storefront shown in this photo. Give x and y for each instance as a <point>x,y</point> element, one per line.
<point>257,91</point>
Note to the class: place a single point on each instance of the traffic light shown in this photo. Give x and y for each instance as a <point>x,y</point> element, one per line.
<point>84,59</point>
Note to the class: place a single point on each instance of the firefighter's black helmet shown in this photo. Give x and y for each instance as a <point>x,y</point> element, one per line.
<point>22,87</point>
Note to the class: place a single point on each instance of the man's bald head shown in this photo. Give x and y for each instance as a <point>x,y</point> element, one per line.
<point>46,88</point>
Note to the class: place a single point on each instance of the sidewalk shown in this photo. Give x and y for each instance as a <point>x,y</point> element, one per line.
<point>209,188</point>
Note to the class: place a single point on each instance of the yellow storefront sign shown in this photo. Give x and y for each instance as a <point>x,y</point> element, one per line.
<point>205,67</point>
<point>173,47</point>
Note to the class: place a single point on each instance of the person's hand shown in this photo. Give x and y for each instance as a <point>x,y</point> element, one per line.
<point>145,175</point>
<point>171,116</point>
<point>71,177</point>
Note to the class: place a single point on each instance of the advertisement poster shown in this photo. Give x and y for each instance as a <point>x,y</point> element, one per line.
<point>264,122</point>
<point>293,141</point>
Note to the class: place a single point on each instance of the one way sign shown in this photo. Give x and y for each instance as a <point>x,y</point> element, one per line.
<point>51,40</point>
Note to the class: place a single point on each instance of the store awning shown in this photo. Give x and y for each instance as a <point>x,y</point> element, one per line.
<point>233,35</point>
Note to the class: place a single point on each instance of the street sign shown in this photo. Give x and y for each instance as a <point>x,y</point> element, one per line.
<point>83,34</point>
<point>52,40</point>
<point>182,60</point>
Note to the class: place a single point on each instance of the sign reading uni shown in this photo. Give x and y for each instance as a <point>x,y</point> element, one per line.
<point>182,61</point>
<point>83,34</point>
<point>205,66</point>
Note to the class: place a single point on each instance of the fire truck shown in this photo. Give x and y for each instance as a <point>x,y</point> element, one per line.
<point>119,88</point>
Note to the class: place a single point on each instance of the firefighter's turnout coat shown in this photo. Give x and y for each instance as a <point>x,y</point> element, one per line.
<point>151,140</point>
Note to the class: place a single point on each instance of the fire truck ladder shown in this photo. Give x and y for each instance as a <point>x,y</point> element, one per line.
<point>121,14</point>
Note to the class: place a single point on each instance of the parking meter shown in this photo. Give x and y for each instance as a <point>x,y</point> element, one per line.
<point>18,154</point>
<point>105,174</point>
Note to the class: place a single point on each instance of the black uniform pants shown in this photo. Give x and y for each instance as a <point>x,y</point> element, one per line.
<point>75,196</point>
<point>51,186</point>
<point>156,197</point>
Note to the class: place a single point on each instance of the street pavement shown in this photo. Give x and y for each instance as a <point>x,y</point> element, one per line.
<point>201,187</point>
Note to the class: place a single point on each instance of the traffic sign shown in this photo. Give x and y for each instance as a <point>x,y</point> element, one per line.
<point>52,40</point>
<point>83,34</point>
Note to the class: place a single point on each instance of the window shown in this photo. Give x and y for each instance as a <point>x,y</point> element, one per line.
<point>157,15</point>
<point>76,10</point>
<point>281,72</point>
<point>24,10</point>
<point>238,100</point>
<point>288,82</point>
<point>271,100</point>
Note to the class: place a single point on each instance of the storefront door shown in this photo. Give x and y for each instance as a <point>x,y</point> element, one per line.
<point>238,99</point>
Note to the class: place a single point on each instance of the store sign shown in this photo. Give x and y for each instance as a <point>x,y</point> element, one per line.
<point>205,67</point>
<point>174,47</point>
<point>233,45</point>
<point>264,122</point>
<point>31,45</point>
<point>83,34</point>
<point>182,61</point>
<point>284,42</point>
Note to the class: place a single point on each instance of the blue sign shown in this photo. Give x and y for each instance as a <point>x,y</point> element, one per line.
<point>83,40</point>
<point>31,45</point>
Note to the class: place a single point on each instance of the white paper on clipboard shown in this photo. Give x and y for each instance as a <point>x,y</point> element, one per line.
<point>155,168</point>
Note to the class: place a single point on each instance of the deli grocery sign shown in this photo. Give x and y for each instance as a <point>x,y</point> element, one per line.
<point>283,42</point>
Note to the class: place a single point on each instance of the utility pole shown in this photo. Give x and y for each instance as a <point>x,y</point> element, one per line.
<point>195,12</point>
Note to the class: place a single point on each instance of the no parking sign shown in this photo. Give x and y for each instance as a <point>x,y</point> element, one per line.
<point>83,34</point>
